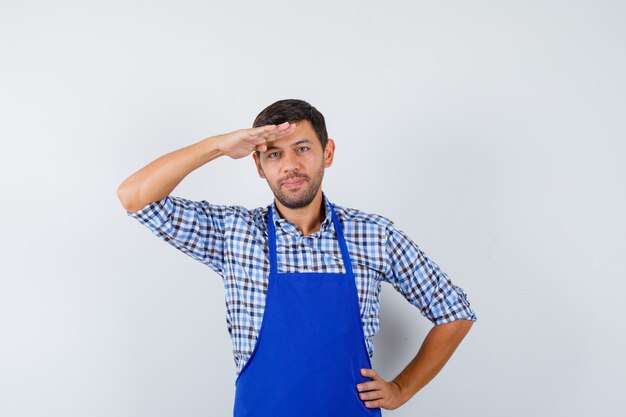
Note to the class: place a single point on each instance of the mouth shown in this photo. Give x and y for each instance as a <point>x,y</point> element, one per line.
<point>293,183</point>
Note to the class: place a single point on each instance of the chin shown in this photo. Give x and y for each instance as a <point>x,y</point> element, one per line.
<point>296,202</point>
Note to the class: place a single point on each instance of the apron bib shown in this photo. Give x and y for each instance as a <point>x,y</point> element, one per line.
<point>307,358</point>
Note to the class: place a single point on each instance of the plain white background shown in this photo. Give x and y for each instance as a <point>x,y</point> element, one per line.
<point>492,132</point>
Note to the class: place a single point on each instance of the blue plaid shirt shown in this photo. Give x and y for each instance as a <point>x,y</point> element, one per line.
<point>232,241</point>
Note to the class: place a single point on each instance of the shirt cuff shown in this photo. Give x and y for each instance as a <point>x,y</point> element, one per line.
<point>154,214</point>
<point>457,307</point>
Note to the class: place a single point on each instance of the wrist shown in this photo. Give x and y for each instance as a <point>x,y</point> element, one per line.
<point>212,146</point>
<point>402,390</point>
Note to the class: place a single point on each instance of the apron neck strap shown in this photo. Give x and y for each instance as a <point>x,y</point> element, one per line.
<point>271,236</point>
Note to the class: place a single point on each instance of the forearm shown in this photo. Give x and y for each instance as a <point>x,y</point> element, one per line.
<point>156,180</point>
<point>438,346</point>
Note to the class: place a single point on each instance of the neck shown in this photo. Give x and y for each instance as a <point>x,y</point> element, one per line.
<point>309,218</point>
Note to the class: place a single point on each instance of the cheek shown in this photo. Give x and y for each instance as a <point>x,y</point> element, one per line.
<point>270,172</point>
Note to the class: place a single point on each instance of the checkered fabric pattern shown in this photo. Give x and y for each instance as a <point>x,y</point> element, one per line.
<point>232,241</point>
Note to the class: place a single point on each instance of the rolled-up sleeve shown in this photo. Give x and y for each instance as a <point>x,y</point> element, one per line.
<point>196,228</point>
<point>422,282</point>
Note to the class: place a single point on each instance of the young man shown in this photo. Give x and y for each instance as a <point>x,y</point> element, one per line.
<point>302,275</point>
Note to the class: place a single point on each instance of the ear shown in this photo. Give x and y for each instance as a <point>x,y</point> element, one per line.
<point>329,153</point>
<point>257,162</point>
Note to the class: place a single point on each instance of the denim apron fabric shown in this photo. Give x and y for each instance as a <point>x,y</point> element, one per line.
<point>307,358</point>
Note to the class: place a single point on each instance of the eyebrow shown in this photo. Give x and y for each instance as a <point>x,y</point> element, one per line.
<point>301,141</point>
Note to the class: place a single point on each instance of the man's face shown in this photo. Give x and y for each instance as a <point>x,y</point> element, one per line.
<point>293,165</point>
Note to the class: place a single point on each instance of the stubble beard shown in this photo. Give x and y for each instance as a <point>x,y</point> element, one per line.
<point>302,197</point>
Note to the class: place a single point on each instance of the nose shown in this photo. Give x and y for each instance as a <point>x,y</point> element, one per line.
<point>290,162</point>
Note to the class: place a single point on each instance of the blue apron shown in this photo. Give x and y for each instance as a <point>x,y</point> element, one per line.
<point>307,358</point>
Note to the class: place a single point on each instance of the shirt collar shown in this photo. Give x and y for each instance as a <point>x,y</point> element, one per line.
<point>287,226</point>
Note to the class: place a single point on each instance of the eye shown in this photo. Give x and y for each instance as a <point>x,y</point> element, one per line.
<point>306,148</point>
<point>272,155</point>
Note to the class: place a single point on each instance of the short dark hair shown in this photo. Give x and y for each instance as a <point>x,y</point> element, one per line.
<point>293,110</point>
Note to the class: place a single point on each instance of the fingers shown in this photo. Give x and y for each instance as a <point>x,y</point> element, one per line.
<point>379,393</point>
<point>376,397</point>
<point>368,386</point>
<point>266,130</point>
<point>375,393</point>
<point>271,132</point>
<point>370,373</point>
<point>280,132</point>
<point>258,137</point>
<point>374,404</point>
<point>371,390</point>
